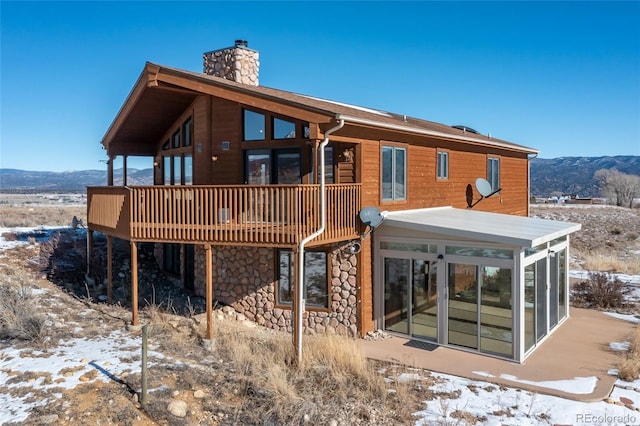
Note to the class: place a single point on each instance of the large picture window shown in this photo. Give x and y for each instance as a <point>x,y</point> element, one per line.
<point>394,160</point>
<point>283,129</point>
<point>187,132</point>
<point>254,126</point>
<point>316,286</point>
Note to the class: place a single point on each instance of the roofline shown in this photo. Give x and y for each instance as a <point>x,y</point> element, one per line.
<point>365,121</point>
<point>149,77</point>
<point>148,71</point>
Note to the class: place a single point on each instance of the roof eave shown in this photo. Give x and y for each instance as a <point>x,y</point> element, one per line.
<point>146,78</point>
<point>441,135</point>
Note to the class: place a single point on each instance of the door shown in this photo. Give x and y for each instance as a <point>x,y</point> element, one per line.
<point>410,301</point>
<point>479,307</point>
<point>462,305</point>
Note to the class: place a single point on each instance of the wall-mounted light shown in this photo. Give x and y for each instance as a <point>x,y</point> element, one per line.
<point>156,164</point>
<point>214,158</point>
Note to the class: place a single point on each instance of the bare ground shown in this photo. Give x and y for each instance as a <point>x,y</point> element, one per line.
<point>218,386</point>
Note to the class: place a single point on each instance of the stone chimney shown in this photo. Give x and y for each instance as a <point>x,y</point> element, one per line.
<point>237,63</point>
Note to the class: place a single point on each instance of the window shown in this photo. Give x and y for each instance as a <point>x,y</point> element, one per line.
<point>254,124</point>
<point>443,165</point>
<point>177,170</point>
<point>283,129</point>
<point>493,173</point>
<point>272,166</point>
<point>328,166</point>
<point>188,169</point>
<point>166,167</point>
<point>187,132</point>
<point>175,139</point>
<point>394,161</point>
<point>316,286</point>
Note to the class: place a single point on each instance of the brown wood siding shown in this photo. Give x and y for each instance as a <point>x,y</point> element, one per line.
<point>227,126</point>
<point>202,141</point>
<point>425,190</point>
<point>365,288</point>
<point>369,161</point>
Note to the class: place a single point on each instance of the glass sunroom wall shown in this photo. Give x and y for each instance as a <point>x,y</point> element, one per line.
<point>545,286</point>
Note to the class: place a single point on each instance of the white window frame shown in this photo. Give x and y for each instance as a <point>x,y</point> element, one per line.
<point>397,193</point>
<point>443,165</point>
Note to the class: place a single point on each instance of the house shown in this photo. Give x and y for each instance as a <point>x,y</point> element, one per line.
<point>242,173</point>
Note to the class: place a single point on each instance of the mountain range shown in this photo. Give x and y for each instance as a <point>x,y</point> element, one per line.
<point>14,180</point>
<point>564,175</point>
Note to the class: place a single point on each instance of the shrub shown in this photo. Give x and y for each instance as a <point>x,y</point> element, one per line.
<point>600,291</point>
<point>19,317</point>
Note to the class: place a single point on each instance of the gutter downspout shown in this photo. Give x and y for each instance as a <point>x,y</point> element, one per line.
<point>529,182</point>
<point>323,213</point>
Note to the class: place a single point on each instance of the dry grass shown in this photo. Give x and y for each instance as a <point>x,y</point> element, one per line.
<point>334,381</point>
<point>20,317</point>
<point>609,261</point>
<point>629,367</point>
<point>15,216</point>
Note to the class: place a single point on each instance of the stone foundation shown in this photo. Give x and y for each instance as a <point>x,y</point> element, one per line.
<point>245,278</point>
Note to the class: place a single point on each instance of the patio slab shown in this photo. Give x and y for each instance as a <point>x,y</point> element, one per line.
<point>578,349</point>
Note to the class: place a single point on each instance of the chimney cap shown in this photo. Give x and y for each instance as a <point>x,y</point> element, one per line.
<point>241,43</point>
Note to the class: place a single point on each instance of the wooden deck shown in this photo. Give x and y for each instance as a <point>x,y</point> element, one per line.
<point>262,215</point>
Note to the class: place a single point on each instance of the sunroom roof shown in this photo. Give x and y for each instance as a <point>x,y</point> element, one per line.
<point>482,226</point>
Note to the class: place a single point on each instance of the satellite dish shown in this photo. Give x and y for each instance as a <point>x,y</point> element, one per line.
<point>371,216</point>
<point>484,187</point>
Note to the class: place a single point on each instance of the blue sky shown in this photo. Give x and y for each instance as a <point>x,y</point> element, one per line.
<point>562,77</point>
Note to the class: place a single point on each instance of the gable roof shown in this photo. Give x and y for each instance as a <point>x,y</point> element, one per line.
<point>162,93</point>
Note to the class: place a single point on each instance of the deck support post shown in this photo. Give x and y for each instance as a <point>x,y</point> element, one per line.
<point>134,283</point>
<point>209,286</point>
<point>109,267</point>
<point>110,170</point>
<point>124,170</point>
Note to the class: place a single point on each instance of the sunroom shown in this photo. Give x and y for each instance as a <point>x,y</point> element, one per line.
<point>478,281</point>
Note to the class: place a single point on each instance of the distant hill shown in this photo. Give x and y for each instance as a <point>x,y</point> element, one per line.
<point>574,175</point>
<point>14,180</point>
<point>566,175</point>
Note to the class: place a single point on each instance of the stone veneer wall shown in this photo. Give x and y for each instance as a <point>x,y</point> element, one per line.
<point>238,63</point>
<point>245,278</point>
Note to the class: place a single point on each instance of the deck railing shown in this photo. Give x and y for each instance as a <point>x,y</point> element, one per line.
<point>276,215</point>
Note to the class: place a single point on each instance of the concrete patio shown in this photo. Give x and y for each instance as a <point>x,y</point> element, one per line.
<point>578,349</point>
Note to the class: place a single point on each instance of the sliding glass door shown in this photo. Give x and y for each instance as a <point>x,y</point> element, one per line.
<point>410,301</point>
<point>479,309</point>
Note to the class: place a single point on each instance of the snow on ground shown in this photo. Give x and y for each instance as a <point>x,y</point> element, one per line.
<point>626,317</point>
<point>73,362</point>
<point>511,406</point>
<point>66,366</point>
<point>578,385</point>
